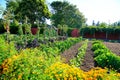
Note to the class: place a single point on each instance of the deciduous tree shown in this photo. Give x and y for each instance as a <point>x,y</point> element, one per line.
<point>33,9</point>
<point>65,13</point>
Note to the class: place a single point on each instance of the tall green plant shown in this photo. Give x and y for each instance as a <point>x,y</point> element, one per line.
<point>20,29</point>
<point>6,50</point>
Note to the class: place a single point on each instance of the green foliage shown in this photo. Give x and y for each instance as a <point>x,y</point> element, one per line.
<point>63,45</point>
<point>90,30</point>
<point>63,29</point>
<point>20,30</point>
<point>36,9</point>
<point>104,57</point>
<point>50,32</point>
<point>2,29</point>
<point>14,27</point>
<point>69,31</point>
<point>93,29</point>
<point>59,46</point>
<point>81,52</point>
<point>6,50</point>
<point>103,25</point>
<point>66,13</point>
<point>29,64</point>
<point>98,46</point>
<point>117,29</point>
<point>27,28</point>
<point>100,51</point>
<point>38,31</point>
<point>109,60</point>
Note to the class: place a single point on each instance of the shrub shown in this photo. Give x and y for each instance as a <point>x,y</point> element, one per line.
<point>28,65</point>
<point>104,57</point>
<point>61,71</point>
<point>6,50</point>
<point>109,60</point>
<point>69,31</point>
<point>13,29</point>
<point>2,29</point>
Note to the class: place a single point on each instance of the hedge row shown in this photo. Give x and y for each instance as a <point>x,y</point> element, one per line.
<point>93,29</point>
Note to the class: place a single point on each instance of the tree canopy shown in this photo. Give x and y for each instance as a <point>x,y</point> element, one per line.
<point>66,13</point>
<point>33,9</point>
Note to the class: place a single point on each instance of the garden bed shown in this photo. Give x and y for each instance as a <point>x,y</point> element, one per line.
<point>114,47</point>
<point>67,55</point>
<point>88,62</point>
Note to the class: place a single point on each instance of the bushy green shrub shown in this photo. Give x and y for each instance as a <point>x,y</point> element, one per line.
<point>2,29</point>
<point>20,30</point>
<point>69,31</point>
<point>66,44</point>
<point>109,60</point>
<point>100,52</point>
<point>13,29</point>
<point>97,45</point>
<point>6,50</point>
<point>29,64</point>
<point>104,57</point>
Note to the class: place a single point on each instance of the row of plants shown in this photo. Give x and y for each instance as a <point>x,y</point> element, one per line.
<point>29,63</point>
<point>58,47</point>
<point>66,44</point>
<point>77,61</point>
<point>62,71</point>
<point>23,41</point>
<point>29,41</point>
<point>35,64</point>
<point>104,57</point>
<point>45,45</point>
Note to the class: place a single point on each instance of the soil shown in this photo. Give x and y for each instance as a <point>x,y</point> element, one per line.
<point>67,55</point>
<point>88,61</point>
<point>114,47</point>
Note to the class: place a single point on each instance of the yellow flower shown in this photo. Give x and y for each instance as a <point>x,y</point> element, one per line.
<point>65,78</point>
<point>20,76</point>
<point>74,78</point>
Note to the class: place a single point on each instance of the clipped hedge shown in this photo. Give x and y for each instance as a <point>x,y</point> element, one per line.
<point>93,29</point>
<point>108,33</point>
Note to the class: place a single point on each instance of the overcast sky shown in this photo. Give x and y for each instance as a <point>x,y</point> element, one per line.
<point>97,10</point>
